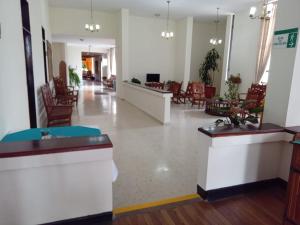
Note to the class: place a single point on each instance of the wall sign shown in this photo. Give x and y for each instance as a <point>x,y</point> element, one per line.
<point>286,38</point>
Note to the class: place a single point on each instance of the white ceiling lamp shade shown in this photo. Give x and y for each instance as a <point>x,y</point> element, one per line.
<point>216,40</point>
<point>167,34</point>
<point>266,11</point>
<point>92,27</point>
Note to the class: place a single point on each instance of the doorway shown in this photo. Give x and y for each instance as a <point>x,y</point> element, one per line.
<point>91,63</point>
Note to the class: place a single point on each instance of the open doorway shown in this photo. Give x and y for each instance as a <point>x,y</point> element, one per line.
<point>91,66</point>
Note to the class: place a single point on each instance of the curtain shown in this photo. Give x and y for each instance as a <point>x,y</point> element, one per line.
<point>265,44</point>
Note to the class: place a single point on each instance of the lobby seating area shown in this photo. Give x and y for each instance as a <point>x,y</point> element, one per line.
<point>141,112</point>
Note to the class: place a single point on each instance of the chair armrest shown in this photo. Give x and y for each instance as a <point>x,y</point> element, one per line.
<point>62,106</point>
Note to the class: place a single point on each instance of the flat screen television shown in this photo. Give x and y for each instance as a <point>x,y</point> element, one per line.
<point>152,77</point>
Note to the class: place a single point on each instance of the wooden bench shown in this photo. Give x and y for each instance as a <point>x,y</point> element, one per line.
<point>56,114</point>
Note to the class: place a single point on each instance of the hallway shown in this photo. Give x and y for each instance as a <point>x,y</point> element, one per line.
<point>153,160</point>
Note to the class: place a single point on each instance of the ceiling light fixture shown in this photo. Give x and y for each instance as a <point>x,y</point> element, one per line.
<point>92,27</point>
<point>167,34</point>
<point>266,10</point>
<point>215,40</point>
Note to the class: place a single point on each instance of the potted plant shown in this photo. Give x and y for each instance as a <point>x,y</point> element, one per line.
<point>233,83</point>
<point>206,72</point>
<point>73,77</point>
<point>136,81</point>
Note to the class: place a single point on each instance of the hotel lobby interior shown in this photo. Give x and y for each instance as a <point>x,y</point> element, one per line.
<point>132,112</point>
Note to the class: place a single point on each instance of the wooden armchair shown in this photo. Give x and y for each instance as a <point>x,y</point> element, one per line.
<point>175,88</point>
<point>63,93</point>
<point>253,103</point>
<point>187,94</point>
<point>56,114</point>
<point>109,83</point>
<point>198,93</point>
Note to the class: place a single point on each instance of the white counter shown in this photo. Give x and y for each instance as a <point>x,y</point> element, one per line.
<point>155,103</point>
<point>241,159</point>
<point>50,187</point>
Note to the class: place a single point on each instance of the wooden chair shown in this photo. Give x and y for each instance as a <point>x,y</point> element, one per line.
<point>56,114</point>
<point>198,94</point>
<point>64,94</point>
<point>109,83</point>
<point>187,94</point>
<point>175,88</point>
<point>253,102</point>
<point>157,85</point>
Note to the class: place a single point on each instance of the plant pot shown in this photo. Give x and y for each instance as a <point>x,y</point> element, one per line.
<point>210,91</point>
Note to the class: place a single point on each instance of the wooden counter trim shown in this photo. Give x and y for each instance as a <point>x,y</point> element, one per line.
<point>230,131</point>
<point>293,130</point>
<point>57,145</point>
<point>148,88</point>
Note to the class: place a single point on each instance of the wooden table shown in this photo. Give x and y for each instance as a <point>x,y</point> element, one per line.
<point>217,107</point>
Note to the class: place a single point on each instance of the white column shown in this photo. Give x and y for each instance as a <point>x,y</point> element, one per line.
<point>188,51</point>
<point>122,50</point>
<point>226,57</point>
<point>183,37</point>
<point>283,94</point>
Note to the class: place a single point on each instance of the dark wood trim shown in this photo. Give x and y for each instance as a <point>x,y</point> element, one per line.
<point>55,145</point>
<point>28,62</point>
<point>148,88</point>
<point>216,194</point>
<point>44,54</point>
<point>86,220</point>
<point>227,131</point>
<point>293,130</point>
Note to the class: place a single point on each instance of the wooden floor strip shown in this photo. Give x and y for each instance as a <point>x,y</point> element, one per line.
<point>261,208</point>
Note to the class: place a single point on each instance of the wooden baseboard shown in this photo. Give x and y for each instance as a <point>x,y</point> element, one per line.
<point>216,194</point>
<point>86,220</point>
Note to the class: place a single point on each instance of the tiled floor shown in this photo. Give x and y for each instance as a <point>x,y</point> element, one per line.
<point>154,161</point>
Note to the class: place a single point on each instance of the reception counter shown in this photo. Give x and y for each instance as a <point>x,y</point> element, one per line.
<point>44,181</point>
<point>236,159</point>
<point>154,102</point>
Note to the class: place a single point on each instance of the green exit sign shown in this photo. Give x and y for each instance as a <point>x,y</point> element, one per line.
<point>286,38</point>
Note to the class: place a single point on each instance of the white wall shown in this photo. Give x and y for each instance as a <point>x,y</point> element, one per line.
<point>14,112</point>
<point>148,51</point>
<point>38,19</point>
<point>245,45</point>
<point>72,21</point>
<point>202,33</point>
<point>58,54</point>
<point>282,100</point>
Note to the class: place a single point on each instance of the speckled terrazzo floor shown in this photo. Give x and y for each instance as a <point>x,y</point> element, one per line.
<point>154,161</point>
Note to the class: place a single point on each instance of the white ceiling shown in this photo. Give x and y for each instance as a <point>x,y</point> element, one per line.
<point>201,9</point>
<point>84,41</point>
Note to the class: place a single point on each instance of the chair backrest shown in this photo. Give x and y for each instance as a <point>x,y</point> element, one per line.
<point>63,71</point>
<point>189,89</point>
<point>157,85</point>
<point>198,89</point>
<point>47,98</point>
<point>60,87</point>
<point>255,96</point>
<point>175,88</point>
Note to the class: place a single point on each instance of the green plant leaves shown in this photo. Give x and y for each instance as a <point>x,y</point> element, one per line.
<point>73,77</point>
<point>210,64</point>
